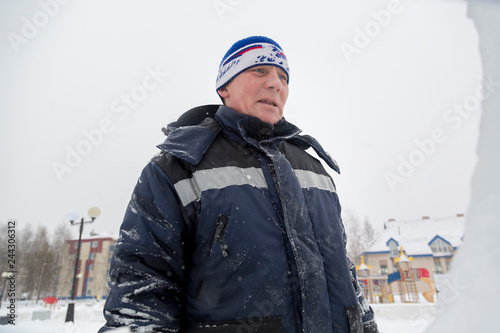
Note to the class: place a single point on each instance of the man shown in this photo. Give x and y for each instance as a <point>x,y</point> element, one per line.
<point>233,227</point>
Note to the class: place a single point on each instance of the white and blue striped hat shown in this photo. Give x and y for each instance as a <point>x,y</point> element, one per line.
<point>250,52</point>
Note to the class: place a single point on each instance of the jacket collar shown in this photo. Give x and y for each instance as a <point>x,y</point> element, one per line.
<point>253,130</point>
<point>191,135</point>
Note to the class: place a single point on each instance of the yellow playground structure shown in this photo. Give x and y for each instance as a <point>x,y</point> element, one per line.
<point>378,288</point>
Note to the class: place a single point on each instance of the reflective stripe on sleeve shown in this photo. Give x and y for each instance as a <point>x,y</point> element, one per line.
<point>309,179</point>
<point>190,189</point>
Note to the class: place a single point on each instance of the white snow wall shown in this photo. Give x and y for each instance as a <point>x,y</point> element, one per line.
<point>471,295</point>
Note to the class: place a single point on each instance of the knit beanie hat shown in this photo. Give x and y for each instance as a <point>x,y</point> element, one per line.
<point>250,52</point>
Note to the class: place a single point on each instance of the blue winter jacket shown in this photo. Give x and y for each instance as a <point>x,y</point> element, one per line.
<point>234,227</point>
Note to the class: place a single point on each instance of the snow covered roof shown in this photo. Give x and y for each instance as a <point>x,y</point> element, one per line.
<point>403,258</point>
<point>363,267</point>
<point>415,236</point>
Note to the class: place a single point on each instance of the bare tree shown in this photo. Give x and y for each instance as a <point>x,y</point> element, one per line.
<point>354,235</point>
<point>38,258</point>
<point>23,249</point>
<point>3,246</point>
<point>369,234</point>
<point>359,235</point>
<point>39,264</point>
<point>61,235</point>
<point>3,254</point>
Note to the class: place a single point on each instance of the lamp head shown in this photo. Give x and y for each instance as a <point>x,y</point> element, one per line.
<point>94,213</point>
<point>72,216</point>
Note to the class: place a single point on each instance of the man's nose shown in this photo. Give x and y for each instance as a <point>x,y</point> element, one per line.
<point>273,80</point>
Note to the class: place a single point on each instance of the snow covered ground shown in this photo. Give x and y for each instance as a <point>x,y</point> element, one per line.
<point>392,318</point>
<point>404,318</point>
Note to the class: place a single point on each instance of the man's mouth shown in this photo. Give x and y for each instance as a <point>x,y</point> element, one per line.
<point>269,102</point>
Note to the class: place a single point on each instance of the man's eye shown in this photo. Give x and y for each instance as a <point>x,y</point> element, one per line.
<point>259,70</point>
<point>283,77</point>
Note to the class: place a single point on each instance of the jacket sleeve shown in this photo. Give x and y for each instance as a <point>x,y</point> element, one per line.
<point>367,315</point>
<point>146,277</point>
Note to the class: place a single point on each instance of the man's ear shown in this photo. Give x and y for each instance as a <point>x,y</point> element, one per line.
<point>223,92</point>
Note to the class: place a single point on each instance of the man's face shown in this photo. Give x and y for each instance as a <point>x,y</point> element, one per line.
<point>259,91</point>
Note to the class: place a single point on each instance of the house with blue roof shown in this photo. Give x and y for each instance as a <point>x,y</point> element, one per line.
<point>430,242</point>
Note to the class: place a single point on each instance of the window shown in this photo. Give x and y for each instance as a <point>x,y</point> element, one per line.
<point>383,267</point>
<point>92,256</point>
<point>90,280</point>
<point>437,266</point>
<point>91,268</point>
<point>448,266</point>
<point>393,246</point>
<point>94,244</point>
<point>439,246</point>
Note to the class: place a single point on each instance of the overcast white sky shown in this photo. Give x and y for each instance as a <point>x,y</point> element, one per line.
<point>65,70</point>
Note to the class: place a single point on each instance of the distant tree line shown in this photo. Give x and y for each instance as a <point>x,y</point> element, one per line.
<point>360,235</point>
<point>38,257</point>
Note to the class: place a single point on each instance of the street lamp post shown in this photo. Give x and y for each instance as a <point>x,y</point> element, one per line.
<point>93,213</point>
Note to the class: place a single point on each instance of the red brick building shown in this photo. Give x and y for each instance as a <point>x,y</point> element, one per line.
<point>93,266</point>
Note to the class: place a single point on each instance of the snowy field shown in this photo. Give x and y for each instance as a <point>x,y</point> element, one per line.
<point>391,318</point>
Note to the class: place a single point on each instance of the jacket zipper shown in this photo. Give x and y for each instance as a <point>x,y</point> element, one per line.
<point>275,179</point>
<point>220,228</point>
